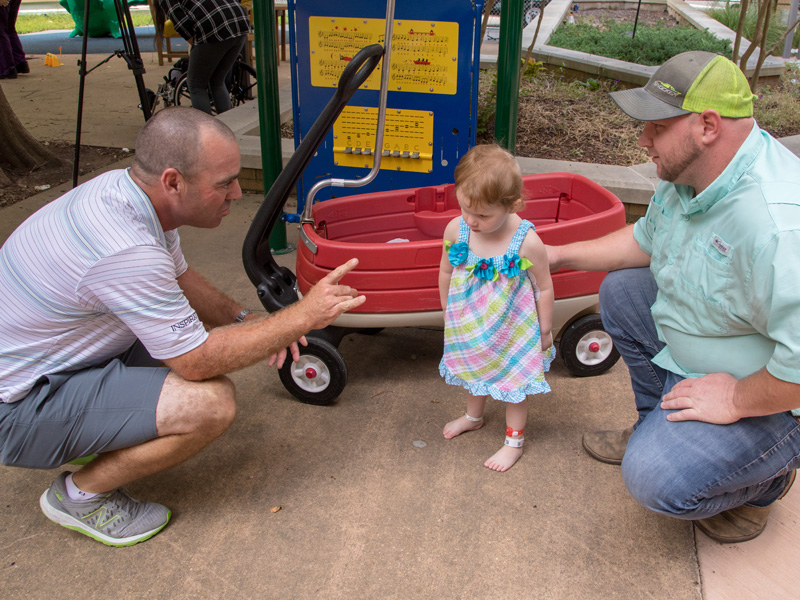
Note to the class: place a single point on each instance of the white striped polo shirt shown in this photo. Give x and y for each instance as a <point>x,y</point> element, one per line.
<point>83,278</point>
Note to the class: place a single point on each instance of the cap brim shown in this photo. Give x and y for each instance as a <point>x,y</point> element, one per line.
<point>640,105</point>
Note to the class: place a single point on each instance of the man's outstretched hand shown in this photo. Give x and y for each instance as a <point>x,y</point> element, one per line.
<point>327,299</point>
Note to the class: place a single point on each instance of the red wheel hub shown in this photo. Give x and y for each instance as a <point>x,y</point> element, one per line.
<point>310,373</point>
<point>594,347</point>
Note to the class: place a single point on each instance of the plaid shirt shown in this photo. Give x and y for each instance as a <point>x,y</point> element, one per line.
<point>207,21</point>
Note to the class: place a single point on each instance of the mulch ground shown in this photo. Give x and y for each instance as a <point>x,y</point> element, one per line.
<point>29,183</point>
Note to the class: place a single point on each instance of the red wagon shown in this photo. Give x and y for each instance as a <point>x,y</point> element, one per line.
<point>397,238</point>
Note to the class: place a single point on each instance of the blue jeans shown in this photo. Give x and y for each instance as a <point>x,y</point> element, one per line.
<point>690,469</point>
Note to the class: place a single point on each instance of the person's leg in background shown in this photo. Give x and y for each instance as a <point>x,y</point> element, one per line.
<point>8,67</point>
<point>219,91</point>
<point>18,54</point>
<point>12,56</point>
<point>208,65</point>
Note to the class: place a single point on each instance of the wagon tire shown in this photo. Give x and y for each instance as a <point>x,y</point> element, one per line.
<point>318,377</point>
<point>586,348</point>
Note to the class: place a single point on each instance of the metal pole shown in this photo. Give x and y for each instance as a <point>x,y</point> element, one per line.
<point>269,117</point>
<point>81,87</point>
<point>636,21</point>
<point>508,73</point>
<point>787,45</point>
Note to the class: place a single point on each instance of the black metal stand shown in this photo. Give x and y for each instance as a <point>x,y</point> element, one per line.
<point>636,21</point>
<point>130,53</point>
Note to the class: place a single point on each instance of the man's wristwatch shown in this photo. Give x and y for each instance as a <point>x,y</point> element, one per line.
<point>240,317</point>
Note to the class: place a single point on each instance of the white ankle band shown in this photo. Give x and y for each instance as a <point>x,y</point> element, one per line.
<point>473,419</point>
<point>514,442</point>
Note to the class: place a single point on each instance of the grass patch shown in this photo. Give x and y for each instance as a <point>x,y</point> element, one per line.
<point>729,16</point>
<point>32,23</point>
<point>653,44</point>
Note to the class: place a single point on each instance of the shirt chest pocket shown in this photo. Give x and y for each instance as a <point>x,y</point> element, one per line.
<point>705,280</point>
<point>659,221</point>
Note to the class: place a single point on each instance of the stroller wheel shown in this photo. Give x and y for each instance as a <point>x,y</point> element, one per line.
<point>319,376</point>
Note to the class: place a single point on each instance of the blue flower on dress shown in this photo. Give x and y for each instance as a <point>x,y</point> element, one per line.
<point>484,270</point>
<point>458,253</point>
<point>510,266</point>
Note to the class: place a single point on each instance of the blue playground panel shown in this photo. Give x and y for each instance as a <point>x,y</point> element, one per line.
<point>432,95</point>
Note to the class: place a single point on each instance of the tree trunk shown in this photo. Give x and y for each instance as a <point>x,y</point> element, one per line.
<point>761,20</point>
<point>739,29</point>
<point>19,150</point>
<point>762,49</point>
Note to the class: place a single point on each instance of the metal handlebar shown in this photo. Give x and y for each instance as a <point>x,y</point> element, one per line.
<point>379,132</point>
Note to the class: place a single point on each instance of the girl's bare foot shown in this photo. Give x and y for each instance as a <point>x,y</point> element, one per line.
<point>503,459</point>
<point>460,425</point>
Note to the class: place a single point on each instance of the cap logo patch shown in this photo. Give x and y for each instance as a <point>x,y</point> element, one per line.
<point>666,88</point>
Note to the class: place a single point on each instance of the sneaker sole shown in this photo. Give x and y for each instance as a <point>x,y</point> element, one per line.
<point>71,522</point>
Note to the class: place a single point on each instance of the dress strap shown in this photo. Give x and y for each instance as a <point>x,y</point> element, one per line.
<point>463,230</point>
<point>519,235</point>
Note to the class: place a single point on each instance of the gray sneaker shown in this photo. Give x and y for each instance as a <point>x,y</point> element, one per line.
<point>115,518</point>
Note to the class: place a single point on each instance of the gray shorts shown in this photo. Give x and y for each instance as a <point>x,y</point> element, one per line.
<point>72,415</point>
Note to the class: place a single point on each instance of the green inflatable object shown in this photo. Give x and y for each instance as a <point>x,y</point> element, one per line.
<point>102,17</point>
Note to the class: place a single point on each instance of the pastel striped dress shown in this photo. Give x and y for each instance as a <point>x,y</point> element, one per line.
<point>492,341</point>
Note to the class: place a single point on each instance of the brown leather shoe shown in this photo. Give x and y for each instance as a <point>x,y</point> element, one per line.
<point>607,446</point>
<point>739,524</point>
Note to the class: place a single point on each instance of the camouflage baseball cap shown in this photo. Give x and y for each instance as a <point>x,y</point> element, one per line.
<point>686,83</point>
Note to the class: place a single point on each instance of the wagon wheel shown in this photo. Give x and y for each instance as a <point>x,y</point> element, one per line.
<point>586,348</point>
<point>319,376</point>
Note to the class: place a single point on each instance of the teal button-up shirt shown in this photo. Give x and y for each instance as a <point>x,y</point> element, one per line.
<point>727,265</point>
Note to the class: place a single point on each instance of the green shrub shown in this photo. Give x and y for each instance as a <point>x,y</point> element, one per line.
<point>652,45</point>
<point>729,16</point>
<point>777,108</point>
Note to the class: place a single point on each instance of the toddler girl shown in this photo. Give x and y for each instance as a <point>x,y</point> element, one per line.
<point>497,296</point>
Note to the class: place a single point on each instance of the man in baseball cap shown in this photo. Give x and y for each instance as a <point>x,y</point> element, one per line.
<point>701,300</point>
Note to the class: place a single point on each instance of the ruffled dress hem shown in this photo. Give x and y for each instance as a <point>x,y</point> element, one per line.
<point>481,389</point>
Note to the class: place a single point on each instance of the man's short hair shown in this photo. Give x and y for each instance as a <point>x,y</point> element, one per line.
<point>690,82</point>
<point>172,138</point>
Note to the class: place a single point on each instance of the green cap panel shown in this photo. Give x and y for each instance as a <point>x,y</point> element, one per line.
<point>720,86</point>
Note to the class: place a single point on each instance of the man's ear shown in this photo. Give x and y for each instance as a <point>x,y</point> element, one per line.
<point>711,122</point>
<point>172,181</point>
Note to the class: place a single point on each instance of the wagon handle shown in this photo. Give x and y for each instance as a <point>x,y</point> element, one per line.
<point>274,284</point>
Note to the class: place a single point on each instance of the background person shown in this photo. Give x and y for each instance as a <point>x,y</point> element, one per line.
<point>703,301</point>
<point>217,31</point>
<point>12,56</point>
<point>497,296</point>
<point>97,294</point>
